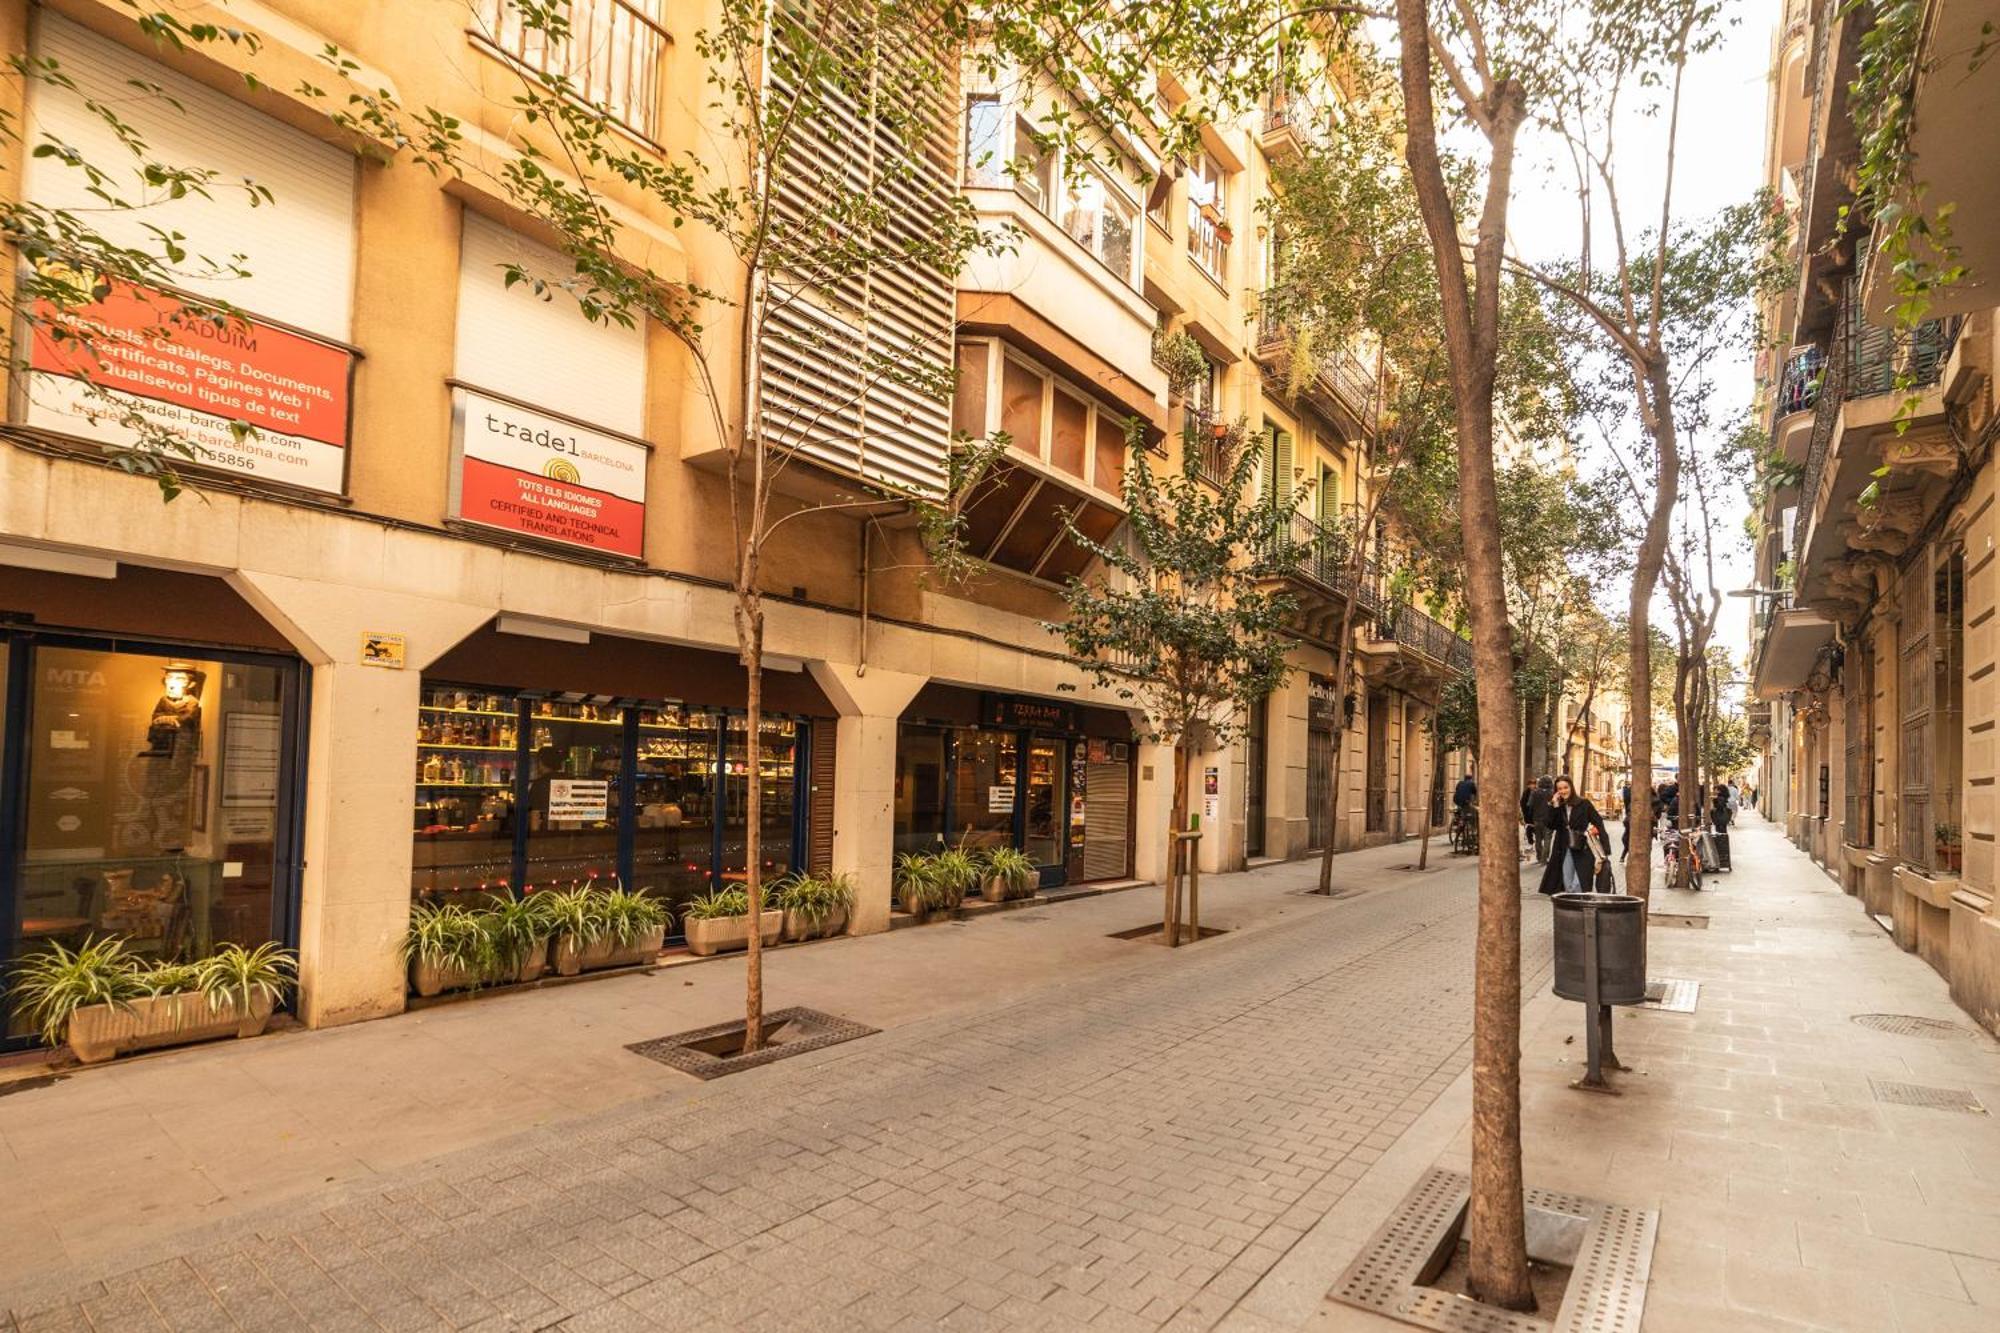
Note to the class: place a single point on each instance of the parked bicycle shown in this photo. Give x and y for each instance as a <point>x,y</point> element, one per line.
<point>1465,830</point>
<point>1682,855</point>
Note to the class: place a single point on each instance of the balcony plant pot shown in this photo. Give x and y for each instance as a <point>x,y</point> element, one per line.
<point>100,1031</point>
<point>569,959</point>
<point>798,928</point>
<point>428,979</point>
<point>708,936</point>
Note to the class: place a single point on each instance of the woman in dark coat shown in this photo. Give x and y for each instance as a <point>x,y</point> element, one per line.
<point>1573,861</point>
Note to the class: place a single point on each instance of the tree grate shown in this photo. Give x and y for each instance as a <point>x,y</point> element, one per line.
<point>1911,1025</point>
<point>1607,1284</point>
<point>1929,1098</point>
<point>1672,994</point>
<point>709,1052</point>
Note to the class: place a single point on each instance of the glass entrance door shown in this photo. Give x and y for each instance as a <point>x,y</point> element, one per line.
<point>1046,805</point>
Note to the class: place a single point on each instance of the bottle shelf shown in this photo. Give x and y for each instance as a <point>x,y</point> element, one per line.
<point>464,712</point>
<point>476,786</point>
<point>448,745</point>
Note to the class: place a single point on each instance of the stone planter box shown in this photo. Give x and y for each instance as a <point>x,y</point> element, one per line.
<point>994,890</point>
<point>427,980</point>
<point>797,928</point>
<point>714,935</point>
<point>607,952</point>
<point>100,1031</point>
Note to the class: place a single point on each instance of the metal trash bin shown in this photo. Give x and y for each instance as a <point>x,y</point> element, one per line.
<point>1621,946</point>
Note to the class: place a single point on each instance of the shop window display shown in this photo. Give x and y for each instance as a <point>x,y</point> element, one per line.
<point>674,843</point>
<point>153,794</point>
<point>575,789</point>
<point>780,789</point>
<point>467,758</point>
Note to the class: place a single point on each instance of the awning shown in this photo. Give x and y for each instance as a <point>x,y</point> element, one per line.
<point>1791,650</point>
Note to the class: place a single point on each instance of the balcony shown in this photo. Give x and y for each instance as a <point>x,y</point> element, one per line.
<point>1791,410</point>
<point>1289,128</point>
<point>613,58</point>
<point>1323,580</point>
<point>1430,640</point>
<point>1868,377</point>
<point>1340,384</point>
<point>1206,440</point>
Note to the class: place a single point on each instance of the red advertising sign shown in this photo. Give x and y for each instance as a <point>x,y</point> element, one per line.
<point>143,352</point>
<point>547,477</point>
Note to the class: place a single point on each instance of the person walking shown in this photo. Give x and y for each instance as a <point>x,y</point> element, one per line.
<point>1538,814</point>
<point>1721,812</point>
<point>1582,841</point>
<point>1527,819</point>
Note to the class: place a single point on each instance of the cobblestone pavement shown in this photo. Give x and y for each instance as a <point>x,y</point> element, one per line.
<point>1130,1149</point>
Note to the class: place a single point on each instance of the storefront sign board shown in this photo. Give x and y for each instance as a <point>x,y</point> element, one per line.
<point>1013,710</point>
<point>249,397</point>
<point>579,798</point>
<point>1322,704</point>
<point>544,476</point>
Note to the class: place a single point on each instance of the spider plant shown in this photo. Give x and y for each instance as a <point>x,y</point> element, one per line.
<point>1015,870</point>
<point>447,937</point>
<point>577,913</point>
<point>917,882</point>
<point>51,984</point>
<point>169,979</point>
<point>814,899</point>
<point>957,870</point>
<point>236,975</point>
<point>718,903</point>
<point>516,925</point>
<point>629,916</point>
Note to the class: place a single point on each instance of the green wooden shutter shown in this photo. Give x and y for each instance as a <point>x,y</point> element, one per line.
<point>1278,475</point>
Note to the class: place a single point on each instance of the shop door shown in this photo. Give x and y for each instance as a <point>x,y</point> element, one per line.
<point>1319,787</point>
<point>1107,824</point>
<point>148,797</point>
<point>1045,806</point>
<point>1378,763</point>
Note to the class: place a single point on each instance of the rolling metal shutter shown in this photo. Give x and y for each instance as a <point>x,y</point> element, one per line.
<point>1107,820</point>
<point>819,796</point>
<point>298,248</point>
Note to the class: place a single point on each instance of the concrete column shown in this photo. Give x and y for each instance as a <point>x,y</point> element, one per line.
<point>870,701</point>
<point>1285,826</point>
<point>1152,809</point>
<point>1221,836</point>
<point>361,755</point>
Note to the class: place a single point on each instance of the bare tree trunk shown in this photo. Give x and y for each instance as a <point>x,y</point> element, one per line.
<point>1343,664</point>
<point>753,840</point>
<point>1170,915</point>
<point>1430,785</point>
<point>1495,1229</point>
<point>1645,577</point>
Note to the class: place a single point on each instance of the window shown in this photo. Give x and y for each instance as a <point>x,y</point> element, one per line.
<point>1208,216</point>
<point>1057,425</point>
<point>1034,165</point>
<point>985,141</point>
<point>611,58</point>
<point>1100,218</point>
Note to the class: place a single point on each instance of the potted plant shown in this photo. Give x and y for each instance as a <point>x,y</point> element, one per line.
<point>519,928</point>
<point>447,948</point>
<point>598,929</point>
<point>957,872</point>
<point>815,905</point>
<point>1009,873</point>
<point>103,1002</point>
<point>1950,851</point>
<point>917,883</point>
<point>719,920</point>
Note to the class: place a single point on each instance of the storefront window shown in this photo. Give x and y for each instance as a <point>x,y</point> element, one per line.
<point>779,761</point>
<point>576,756</point>
<point>156,786</point>
<point>987,779</point>
<point>1046,807</point>
<point>674,848</point>
<point>467,762</point>
<point>920,784</point>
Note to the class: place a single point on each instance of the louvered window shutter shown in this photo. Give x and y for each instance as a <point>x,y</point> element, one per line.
<point>1281,464</point>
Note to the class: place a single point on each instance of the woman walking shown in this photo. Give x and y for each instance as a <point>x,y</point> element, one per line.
<point>1580,841</point>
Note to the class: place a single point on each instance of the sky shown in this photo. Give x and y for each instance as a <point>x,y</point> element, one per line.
<point>1720,162</point>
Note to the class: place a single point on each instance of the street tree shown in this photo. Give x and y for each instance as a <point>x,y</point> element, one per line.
<point>1183,616</point>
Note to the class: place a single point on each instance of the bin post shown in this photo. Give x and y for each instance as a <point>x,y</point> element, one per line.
<point>1597,1020</point>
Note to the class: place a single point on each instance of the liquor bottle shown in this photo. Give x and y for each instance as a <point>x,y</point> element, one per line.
<point>433,769</point>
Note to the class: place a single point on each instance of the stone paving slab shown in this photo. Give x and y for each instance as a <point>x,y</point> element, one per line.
<point>1131,1138</point>
<point>1790,1198</point>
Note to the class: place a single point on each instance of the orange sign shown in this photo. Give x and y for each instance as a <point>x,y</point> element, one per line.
<point>547,477</point>
<point>145,352</point>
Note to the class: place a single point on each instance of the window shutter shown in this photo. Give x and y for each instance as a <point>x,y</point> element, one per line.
<point>298,248</point>
<point>1282,465</point>
<point>825,344</point>
<point>543,352</point>
<point>819,809</point>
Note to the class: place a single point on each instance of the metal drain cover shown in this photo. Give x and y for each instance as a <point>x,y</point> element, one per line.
<point>1672,994</point>
<point>1931,1099</point>
<point>1607,1285</point>
<point>1911,1025</point>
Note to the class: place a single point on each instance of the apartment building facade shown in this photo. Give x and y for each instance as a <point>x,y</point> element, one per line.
<point>456,617</point>
<point>1873,634</point>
